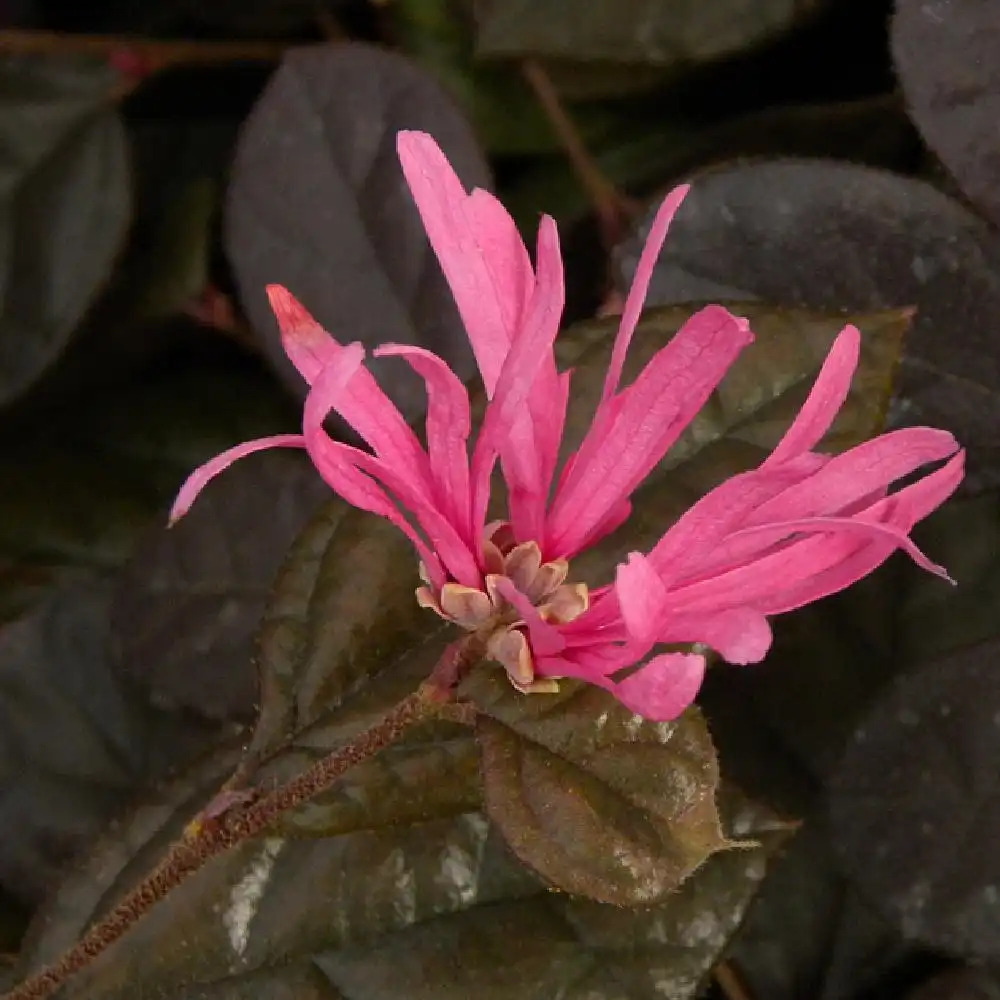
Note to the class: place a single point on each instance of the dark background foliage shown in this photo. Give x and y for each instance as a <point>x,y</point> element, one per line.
<point>161,162</point>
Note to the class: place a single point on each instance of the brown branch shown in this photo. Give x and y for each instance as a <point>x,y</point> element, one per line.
<point>136,58</point>
<point>157,53</point>
<point>730,982</point>
<point>614,210</point>
<point>230,819</point>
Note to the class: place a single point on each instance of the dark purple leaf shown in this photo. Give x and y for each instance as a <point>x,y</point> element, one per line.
<point>77,744</point>
<point>654,32</point>
<point>947,56</point>
<point>959,984</point>
<point>64,211</point>
<point>318,203</point>
<point>915,803</point>
<point>838,236</point>
<point>189,603</point>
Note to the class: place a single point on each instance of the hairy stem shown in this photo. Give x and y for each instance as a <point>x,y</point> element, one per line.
<point>229,821</point>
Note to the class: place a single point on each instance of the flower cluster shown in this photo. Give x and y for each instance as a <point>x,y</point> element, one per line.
<point>800,526</point>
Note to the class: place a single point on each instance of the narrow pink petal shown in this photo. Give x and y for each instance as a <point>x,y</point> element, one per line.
<point>337,463</point>
<point>642,598</point>
<point>696,535</point>
<point>411,490</point>
<point>548,412</point>
<point>531,452</point>
<point>529,352</point>
<point>545,637</point>
<point>476,245</point>
<point>593,664</point>
<point>824,401</point>
<point>614,518</point>
<point>363,405</point>
<point>916,501</point>
<point>930,491</point>
<point>738,635</point>
<point>204,474</point>
<point>640,286</point>
<point>308,346</point>
<point>650,415</point>
<point>505,256</point>
<point>855,473</point>
<point>448,425</point>
<point>858,526</point>
<point>661,689</point>
<point>818,565</point>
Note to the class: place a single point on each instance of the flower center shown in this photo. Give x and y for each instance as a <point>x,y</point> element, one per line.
<point>517,583</point>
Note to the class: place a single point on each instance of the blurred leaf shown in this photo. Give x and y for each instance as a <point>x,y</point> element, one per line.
<point>438,34</point>
<point>77,743</point>
<point>318,203</point>
<point>645,32</point>
<point>638,796</point>
<point>959,984</point>
<point>809,932</point>
<point>837,236</point>
<point>181,167</point>
<point>647,149</point>
<point>190,600</point>
<point>13,921</point>
<point>915,803</point>
<point>252,18</point>
<point>191,19</point>
<point>82,482</point>
<point>933,621</point>
<point>65,210</point>
<point>945,52</point>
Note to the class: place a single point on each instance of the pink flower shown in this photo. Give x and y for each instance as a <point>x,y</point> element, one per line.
<point>800,526</point>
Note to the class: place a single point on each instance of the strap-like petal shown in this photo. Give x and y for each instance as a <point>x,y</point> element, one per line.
<point>531,349</point>
<point>856,473</point>
<point>828,395</point>
<point>649,416</point>
<point>640,286</point>
<point>448,426</point>
<point>478,247</point>
<point>204,474</point>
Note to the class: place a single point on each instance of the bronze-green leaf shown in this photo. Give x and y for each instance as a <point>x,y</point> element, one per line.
<point>600,802</point>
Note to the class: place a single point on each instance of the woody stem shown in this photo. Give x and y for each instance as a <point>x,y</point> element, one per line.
<point>613,209</point>
<point>205,839</point>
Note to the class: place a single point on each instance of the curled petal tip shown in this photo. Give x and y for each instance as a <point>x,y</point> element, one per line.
<point>204,474</point>
<point>287,309</point>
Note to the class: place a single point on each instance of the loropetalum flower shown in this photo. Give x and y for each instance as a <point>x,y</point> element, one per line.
<point>800,526</point>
